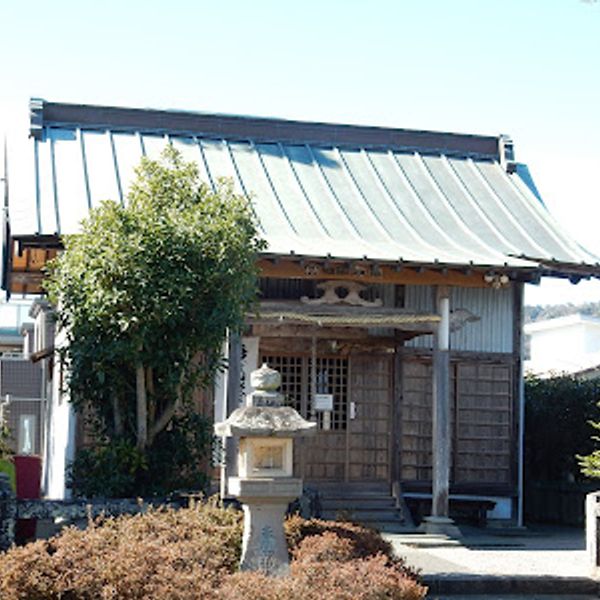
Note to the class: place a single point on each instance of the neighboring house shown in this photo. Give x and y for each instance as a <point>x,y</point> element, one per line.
<point>391,286</point>
<point>21,380</point>
<point>564,345</point>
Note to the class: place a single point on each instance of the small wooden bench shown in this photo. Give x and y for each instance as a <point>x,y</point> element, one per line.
<point>462,509</point>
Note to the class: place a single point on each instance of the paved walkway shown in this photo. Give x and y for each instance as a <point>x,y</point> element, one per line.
<point>541,560</point>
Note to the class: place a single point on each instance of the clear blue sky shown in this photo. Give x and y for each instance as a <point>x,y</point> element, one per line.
<point>528,68</point>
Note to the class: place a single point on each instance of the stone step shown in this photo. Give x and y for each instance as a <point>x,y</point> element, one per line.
<point>449,586</point>
<point>525,596</point>
<point>352,489</point>
<point>371,504</point>
<point>361,515</point>
<point>352,503</point>
<point>395,526</point>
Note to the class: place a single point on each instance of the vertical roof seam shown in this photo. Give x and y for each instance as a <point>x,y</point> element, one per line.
<point>265,172</point>
<point>140,137</point>
<point>86,180</point>
<point>241,183</point>
<point>54,186</point>
<point>329,190</point>
<point>116,166</point>
<point>539,213</point>
<point>358,192</point>
<point>235,169</point>
<point>419,202</point>
<point>390,199</point>
<point>503,207</point>
<point>205,163</point>
<point>450,209</point>
<point>474,205</point>
<point>36,167</point>
<point>313,212</point>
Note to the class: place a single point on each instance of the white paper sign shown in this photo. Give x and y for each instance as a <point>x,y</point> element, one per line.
<point>323,402</point>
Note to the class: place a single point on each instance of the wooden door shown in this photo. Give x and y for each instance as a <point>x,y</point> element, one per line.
<point>481,419</point>
<point>370,431</point>
<point>353,442</point>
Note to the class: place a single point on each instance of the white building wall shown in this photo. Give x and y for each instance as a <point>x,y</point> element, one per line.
<point>567,341</point>
<point>249,364</point>
<point>60,439</point>
<point>591,341</point>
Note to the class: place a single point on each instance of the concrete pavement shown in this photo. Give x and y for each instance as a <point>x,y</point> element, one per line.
<point>535,562</point>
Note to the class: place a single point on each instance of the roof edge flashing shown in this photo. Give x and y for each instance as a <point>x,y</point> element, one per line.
<point>506,152</point>
<point>36,118</point>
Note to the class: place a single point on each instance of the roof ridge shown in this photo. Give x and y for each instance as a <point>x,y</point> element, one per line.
<point>228,126</point>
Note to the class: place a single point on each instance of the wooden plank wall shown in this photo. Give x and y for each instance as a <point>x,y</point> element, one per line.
<point>481,416</point>
<point>483,426</point>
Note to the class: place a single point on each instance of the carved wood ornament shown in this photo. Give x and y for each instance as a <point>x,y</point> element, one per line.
<point>351,295</point>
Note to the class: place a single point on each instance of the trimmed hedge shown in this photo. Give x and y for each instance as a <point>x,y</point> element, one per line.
<point>194,553</point>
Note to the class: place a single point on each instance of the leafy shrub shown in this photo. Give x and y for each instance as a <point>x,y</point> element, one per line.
<point>370,578</point>
<point>557,415</point>
<point>5,449</point>
<point>176,460</point>
<point>161,554</point>
<point>193,553</point>
<point>363,542</point>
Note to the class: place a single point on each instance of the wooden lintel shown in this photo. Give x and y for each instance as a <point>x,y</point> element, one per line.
<point>344,270</point>
<point>358,329</point>
<point>290,331</point>
<point>326,347</point>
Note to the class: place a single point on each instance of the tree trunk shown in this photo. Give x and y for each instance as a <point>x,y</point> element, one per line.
<point>117,417</point>
<point>151,399</point>
<point>142,407</point>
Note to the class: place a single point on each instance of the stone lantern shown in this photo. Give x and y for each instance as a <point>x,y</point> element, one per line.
<point>265,484</point>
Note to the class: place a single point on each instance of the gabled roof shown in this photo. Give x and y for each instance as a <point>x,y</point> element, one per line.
<point>319,190</point>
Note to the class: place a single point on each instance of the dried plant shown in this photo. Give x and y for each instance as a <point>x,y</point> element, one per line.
<point>193,553</point>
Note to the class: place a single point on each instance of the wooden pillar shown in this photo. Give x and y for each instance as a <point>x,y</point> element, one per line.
<point>519,391</point>
<point>232,396</point>
<point>441,407</point>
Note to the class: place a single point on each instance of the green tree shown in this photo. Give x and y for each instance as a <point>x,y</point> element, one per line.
<point>145,294</point>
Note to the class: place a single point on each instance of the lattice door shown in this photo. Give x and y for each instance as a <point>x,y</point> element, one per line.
<point>351,443</point>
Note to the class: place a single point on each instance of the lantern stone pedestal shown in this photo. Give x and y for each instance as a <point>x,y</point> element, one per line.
<point>265,502</point>
<point>265,485</point>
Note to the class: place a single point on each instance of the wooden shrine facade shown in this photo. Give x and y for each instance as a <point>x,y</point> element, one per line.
<point>381,378</point>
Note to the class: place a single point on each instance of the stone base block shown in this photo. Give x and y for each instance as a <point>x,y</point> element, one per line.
<point>440,526</point>
<point>264,547</point>
<point>270,489</point>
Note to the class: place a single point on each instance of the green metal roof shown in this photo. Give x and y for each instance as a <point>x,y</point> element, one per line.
<point>318,189</point>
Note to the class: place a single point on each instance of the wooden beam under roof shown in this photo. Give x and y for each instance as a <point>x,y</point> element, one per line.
<point>27,267</point>
<point>370,272</point>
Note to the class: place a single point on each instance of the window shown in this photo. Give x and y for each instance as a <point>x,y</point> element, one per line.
<point>27,432</point>
<point>331,378</point>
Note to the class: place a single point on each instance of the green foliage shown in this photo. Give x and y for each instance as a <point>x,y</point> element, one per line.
<point>111,469</point>
<point>144,295</point>
<point>5,449</point>
<point>194,553</point>
<point>590,464</point>
<point>176,460</point>
<point>557,413</point>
